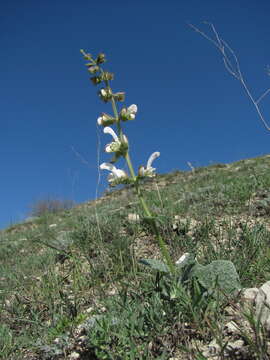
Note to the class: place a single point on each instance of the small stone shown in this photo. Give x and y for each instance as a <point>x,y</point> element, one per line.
<point>52,225</point>
<point>231,328</point>
<point>238,344</point>
<point>175,226</point>
<point>231,311</point>
<point>7,303</point>
<point>262,302</point>
<point>112,292</point>
<point>89,310</point>
<point>83,339</point>
<point>135,218</point>
<point>74,355</point>
<point>212,349</point>
<point>249,294</point>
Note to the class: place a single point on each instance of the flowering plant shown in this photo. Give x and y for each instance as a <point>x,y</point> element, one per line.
<point>119,146</point>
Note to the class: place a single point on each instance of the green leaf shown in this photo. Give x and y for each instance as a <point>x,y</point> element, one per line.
<point>155,264</point>
<point>221,273</point>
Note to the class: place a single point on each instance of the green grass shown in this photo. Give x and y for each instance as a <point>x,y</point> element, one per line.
<point>54,278</point>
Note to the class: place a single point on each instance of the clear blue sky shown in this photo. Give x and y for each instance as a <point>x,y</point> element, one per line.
<point>190,108</point>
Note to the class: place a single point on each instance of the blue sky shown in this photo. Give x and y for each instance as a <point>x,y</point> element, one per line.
<point>190,108</point>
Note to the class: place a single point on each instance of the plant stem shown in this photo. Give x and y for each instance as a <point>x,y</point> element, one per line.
<point>150,217</point>
<point>147,212</point>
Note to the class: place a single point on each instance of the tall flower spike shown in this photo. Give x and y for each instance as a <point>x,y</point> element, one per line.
<point>149,170</point>
<point>116,145</point>
<point>116,175</point>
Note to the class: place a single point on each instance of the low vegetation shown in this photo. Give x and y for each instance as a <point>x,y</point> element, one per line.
<point>72,285</point>
<point>50,205</point>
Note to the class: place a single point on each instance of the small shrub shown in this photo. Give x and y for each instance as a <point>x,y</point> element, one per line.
<point>50,205</point>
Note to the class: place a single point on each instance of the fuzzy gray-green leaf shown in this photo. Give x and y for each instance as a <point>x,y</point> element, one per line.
<point>221,273</point>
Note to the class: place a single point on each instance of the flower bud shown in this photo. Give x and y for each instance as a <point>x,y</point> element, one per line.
<point>86,56</point>
<point>105,94</point>
<point>96,80</point>
<point>105,120</point>
<point>106,76</point>
<point>93,69</point>
<point>101,58</point>
<point>119,96</point>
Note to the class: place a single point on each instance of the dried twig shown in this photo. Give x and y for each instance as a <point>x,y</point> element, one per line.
<point>232,65</point>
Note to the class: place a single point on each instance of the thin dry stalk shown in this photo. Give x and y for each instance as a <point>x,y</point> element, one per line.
<point>232,65</point>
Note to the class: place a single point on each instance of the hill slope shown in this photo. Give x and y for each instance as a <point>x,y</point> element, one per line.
<point>71,285</point>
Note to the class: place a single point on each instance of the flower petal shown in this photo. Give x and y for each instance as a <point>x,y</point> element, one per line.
<point>109,130</point>
<point>107,166</point>
<point>152,158</point>
<point>132,109</point>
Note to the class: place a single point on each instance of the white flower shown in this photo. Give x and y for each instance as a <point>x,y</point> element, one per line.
<point>103,92</point>
<point>149,170</point>
<point>132,110</point>
<point>100,120</point>
<point>115,175</point>
<point>128,113</point>
<point>116,144</point>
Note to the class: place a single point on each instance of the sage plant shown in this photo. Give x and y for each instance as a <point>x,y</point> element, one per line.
<point>119,146</point>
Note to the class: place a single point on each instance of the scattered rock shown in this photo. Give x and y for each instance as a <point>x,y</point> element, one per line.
<point>231,328</point>
<point>234,348</point>
<point>74,355</point>
<point>262,302</point>
<point>211,350</point>
<point>249,295</point>
<point>134,218</point>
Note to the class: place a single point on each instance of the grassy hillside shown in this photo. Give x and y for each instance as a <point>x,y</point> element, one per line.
<point>71,286</point>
